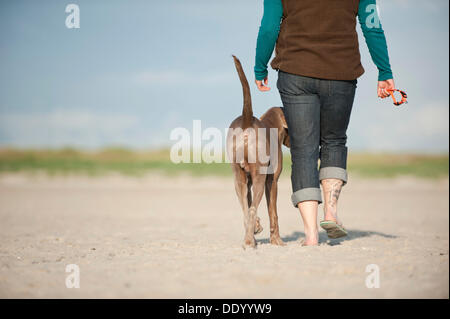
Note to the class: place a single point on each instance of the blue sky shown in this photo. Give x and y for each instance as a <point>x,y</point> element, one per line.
<point>137,69</point>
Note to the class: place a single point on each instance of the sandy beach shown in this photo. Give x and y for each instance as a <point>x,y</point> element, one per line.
<point>180,237</point>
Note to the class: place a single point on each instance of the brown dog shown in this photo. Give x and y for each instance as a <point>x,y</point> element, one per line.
<point>248,170</point>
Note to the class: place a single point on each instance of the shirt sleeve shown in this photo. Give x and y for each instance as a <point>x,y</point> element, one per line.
<point>267,36</point>
<point>375,38</point>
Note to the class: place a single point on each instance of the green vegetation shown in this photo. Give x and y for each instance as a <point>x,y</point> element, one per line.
<point>390,165</point>
<point>137,163</point>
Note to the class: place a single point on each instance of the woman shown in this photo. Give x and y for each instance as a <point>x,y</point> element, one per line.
<point>318,63</point>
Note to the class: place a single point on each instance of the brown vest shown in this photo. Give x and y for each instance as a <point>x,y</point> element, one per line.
<point>318,39</point>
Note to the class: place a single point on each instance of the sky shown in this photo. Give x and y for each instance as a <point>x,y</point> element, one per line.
<point>136,70</point>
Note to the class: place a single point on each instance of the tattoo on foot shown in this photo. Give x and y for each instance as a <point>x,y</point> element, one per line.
<point>335,192</point>
<point>332,189</point>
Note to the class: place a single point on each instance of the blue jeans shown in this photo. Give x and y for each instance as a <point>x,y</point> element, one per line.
<point>317,114</point>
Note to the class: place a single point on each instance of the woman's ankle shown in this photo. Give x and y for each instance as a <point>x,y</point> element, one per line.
<point>311,237</point>
<point>312,234</point>
<point>330,215</point>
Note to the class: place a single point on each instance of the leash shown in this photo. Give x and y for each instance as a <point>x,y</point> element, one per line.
<point>404,97</point>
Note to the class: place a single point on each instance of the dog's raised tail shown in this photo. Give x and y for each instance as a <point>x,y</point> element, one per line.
<point>247,111</point>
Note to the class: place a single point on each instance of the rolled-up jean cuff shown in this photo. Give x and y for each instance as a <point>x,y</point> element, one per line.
<point>306,194</point>
<point>333,172</point>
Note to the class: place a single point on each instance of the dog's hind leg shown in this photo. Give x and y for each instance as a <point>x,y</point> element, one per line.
<point>241,182</point>
<point>249,192</point>
<point>258,227</point>
<point>258,192</point>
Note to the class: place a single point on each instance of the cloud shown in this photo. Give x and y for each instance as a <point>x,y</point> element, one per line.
<point>174,77</point>
<point>58,128</point>
<point>422,129</point>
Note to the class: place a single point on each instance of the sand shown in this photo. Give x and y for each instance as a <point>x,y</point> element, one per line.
<point>180,237</point>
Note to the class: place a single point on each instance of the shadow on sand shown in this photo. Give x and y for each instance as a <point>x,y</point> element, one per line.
<point>323,238</point>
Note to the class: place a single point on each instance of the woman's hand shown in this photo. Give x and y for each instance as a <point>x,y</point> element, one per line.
<point>384,87</point>
<point>263,86</point>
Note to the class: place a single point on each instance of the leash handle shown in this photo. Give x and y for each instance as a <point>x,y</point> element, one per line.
<point>404,97</point>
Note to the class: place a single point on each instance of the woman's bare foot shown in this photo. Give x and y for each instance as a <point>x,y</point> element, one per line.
<point>308,211</point>
<point>311,239</point>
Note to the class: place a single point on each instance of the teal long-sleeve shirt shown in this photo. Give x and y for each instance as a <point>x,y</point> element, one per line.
<point>367,17</point>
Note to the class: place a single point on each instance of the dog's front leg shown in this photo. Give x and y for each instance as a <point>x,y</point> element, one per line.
<point>271,197</point>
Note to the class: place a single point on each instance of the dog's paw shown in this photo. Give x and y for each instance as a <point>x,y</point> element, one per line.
<point>249,243</point>
<point>258,227</point>
<point>277,241</point>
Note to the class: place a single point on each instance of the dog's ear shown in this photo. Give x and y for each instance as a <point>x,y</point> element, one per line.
<point>283,121</point>
<point>286,140</point>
